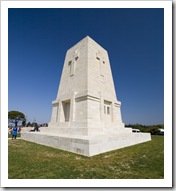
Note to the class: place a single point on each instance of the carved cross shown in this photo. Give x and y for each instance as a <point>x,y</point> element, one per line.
<point>72,63</point>
<point>101,62</point>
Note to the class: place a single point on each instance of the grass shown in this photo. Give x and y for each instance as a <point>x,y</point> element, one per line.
<point>33,161</point>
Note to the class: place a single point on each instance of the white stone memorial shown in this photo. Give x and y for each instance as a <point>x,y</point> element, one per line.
<point>86,115</point>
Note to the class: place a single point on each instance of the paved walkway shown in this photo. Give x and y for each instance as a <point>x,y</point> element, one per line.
<point>16,138</point>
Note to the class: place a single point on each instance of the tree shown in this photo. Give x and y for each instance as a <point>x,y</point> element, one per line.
<point>154,130</point>
<point>24,123</point>
<point>15,117</point>
<point>28,124</point>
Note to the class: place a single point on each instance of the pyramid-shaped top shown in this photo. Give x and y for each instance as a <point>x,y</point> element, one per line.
<point>87,39</point>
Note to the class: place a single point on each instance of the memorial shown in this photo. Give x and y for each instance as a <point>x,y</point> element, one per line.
<point>86,115</point>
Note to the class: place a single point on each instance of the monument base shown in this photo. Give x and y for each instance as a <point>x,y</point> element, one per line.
<point>87,145</point>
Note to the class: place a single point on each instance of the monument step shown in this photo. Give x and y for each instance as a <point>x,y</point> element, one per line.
<point>86,145</point>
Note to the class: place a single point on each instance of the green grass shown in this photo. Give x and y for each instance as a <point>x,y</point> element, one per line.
<point>32,161</point>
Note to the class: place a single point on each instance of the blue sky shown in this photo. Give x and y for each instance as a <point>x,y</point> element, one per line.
<point>134,38</point>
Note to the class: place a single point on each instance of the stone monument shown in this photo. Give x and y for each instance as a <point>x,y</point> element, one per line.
<point>86,115</point>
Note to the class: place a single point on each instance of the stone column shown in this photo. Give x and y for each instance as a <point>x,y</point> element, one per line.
<point>59,112</point>
<point>112,112</point>
<point>54,111</point>
<point>72,109</point>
